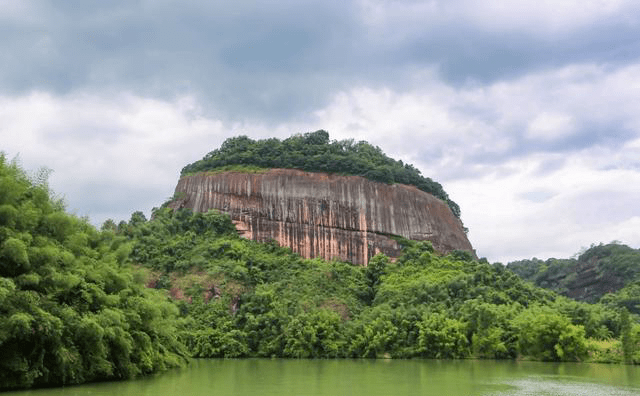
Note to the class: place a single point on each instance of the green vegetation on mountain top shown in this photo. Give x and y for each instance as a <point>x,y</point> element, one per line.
<point>314,152</point>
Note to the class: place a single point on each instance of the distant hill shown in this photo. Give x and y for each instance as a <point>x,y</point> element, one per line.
<point>610,273</point>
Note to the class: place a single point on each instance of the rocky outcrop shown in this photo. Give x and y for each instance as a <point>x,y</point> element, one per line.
<point>589,284</point>
<point>324,215</point>
<point>597,271</point>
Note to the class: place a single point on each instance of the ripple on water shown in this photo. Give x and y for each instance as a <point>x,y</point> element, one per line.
<point>545,386</point>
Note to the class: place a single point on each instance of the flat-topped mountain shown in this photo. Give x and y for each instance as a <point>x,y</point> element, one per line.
<point>314,152</point>
<point>324,215</point>
<point>311,207</point>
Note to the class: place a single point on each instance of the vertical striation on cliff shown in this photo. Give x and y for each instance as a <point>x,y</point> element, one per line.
<point>324,215</point>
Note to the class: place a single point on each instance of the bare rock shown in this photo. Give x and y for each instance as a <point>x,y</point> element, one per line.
<point>324,215</point>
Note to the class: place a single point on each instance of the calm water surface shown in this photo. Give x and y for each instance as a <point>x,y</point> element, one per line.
<point>371,378</point>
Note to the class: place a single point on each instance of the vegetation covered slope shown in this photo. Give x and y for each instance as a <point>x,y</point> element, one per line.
<point>74,306</point>
<point>314,152</point>
<point>609,273</point>
<point>71,310</point>
<point>241,298</point>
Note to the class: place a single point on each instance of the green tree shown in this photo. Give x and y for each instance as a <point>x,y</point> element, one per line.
<point>314,152</point>
<point>442,337</point>
<point>547,335</point>
<point>70,310</point>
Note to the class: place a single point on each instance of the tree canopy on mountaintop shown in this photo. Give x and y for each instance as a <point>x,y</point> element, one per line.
<point>315,152</point>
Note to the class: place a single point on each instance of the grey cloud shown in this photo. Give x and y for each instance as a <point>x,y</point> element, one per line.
<point>269,60</point>
<point>243,60</point>
<point>537,196</point>
<point>550,165</point>
<point>486,159</point>
<point>100,200</point>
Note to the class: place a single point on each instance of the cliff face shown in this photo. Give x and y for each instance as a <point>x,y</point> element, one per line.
<point>599,270</point>
<point>589,284</point>
<point>317,214</point>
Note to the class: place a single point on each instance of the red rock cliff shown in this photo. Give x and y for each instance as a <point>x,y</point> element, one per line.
<point>326,215</point>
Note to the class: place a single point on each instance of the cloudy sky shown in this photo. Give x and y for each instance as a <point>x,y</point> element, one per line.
<point>526,111</point>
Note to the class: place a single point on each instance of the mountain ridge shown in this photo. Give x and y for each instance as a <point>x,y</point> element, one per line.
<point>609,272</point>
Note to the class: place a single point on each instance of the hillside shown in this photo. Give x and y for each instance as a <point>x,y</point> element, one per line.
<point>608,272</point>
<point>242,298</point>
<point>79,304</point>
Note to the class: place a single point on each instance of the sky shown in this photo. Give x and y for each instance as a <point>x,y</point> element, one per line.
<point>526,111</point>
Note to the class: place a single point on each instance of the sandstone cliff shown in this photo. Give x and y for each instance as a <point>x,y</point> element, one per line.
<point>325,215</point>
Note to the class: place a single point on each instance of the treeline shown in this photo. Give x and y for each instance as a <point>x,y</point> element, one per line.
<point>314,152</point>
<point>239,298</point>
<point>72,308</point>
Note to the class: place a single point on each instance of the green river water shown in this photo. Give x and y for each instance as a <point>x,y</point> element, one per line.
<point>370,378</point>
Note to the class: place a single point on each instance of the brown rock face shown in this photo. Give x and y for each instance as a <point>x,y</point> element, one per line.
<point>324,215</point>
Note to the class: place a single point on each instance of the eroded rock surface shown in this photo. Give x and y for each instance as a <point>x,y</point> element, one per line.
<point>325,215</point>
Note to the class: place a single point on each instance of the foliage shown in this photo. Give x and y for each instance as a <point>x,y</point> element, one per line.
<point>78,304</point>
<point>314,152</point>
<point>545,335</point>
<point>608,273</point>
<point>611,275</point>
<point>604,351</point>
<point>70,310</point>
<point>442,337</point>
<point>242,298</point>
<point>626,298</point>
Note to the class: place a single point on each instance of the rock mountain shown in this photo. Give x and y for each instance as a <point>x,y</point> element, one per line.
<point>324,215</point>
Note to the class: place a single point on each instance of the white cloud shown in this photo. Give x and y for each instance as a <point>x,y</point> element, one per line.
<point>488,146</point>
<point>550,126</point>
<point>118,145</point>
<point>545,18</point>
<point>457,126</point>
<point>582,205</point>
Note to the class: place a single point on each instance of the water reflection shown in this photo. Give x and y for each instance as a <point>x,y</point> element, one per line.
<point>371,378</point>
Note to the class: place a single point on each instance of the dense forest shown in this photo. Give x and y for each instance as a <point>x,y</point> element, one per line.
<point>79,304</point>
<point>242,298</point>
<point>72,307</point>
<point>314,152</point>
